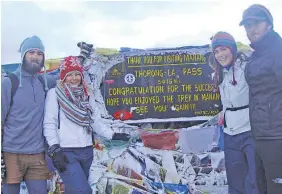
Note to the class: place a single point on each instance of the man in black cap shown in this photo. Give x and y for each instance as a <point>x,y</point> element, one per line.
<point>264,76</point>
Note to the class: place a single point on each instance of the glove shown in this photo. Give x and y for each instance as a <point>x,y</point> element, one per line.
<point>3,167</point>
<point>60,161</point>
<point>121,136</point>
<point>85,50</point>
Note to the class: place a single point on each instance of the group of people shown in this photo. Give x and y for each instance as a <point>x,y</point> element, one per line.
<point>58,110</point>
<point>46,108</point>
<point>251,96</point>
<point>48,117</point>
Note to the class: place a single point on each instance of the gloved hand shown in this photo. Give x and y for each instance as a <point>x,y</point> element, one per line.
<point>121,136</point>
<point>56,153</point>
<point>3,167</point>
<point>85,50</point>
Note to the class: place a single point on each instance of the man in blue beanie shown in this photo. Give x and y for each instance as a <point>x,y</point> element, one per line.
<point>23,143</point>
<point>264,75</point>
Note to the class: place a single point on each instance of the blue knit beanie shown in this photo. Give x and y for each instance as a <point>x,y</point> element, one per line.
<point>28,44</point>
<point>31,43</point>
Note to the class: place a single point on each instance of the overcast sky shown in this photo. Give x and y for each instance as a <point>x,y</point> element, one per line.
<point>61,25</point>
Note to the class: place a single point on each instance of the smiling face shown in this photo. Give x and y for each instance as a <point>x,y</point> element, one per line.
<point>223,55</point>
<point>256,29</point>
<point>73,78</point>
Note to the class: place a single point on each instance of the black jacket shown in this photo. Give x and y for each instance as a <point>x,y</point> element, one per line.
<point>264,76</point>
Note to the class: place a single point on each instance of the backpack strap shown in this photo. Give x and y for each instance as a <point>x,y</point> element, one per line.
<point>15,84</point>
<point>59,122</point>
<point>40,77</point>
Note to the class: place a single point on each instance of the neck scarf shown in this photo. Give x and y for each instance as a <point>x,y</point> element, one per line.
<point>75,104</point>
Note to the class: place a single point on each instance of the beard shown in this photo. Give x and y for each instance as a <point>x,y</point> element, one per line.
<point>257,37</point>
<point>32,67</point>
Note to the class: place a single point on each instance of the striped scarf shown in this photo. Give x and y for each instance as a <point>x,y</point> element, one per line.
<point>75,104</point>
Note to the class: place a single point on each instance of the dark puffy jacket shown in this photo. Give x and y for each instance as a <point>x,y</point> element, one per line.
<point>264,76</point>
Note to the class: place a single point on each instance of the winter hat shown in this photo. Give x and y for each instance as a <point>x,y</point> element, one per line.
<point>28,44</point>
<point>31,43</point>
<point>257,12</point>
<point>70,64</point>
<point>226,40</point>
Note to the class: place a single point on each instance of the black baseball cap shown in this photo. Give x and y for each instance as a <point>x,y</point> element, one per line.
<point>257,12</point>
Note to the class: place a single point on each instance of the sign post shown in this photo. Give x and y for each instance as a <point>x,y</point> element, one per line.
<point>162,84</point>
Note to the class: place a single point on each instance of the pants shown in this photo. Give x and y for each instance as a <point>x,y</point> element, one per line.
<point>33,187</point>
<point>269,166</point>
<point>21,167</point>
<point>75,177</point>
<point>240,163</point>
<point>50,164</point>
<point>221,138</point>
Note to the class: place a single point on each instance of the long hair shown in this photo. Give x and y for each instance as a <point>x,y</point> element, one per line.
<point>218,77</point>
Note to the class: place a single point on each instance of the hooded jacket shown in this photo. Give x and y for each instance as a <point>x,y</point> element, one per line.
<point>264,76</point>
<point>234,96</point>
<point>23,121</point>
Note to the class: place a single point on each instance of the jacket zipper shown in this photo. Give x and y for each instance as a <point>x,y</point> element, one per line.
<point>32,84</point>
<point>269,116</point>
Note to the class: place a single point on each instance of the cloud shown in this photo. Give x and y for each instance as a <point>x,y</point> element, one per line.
<point>122,24</point>
<point>24,19</point>
<point>61,6</point>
